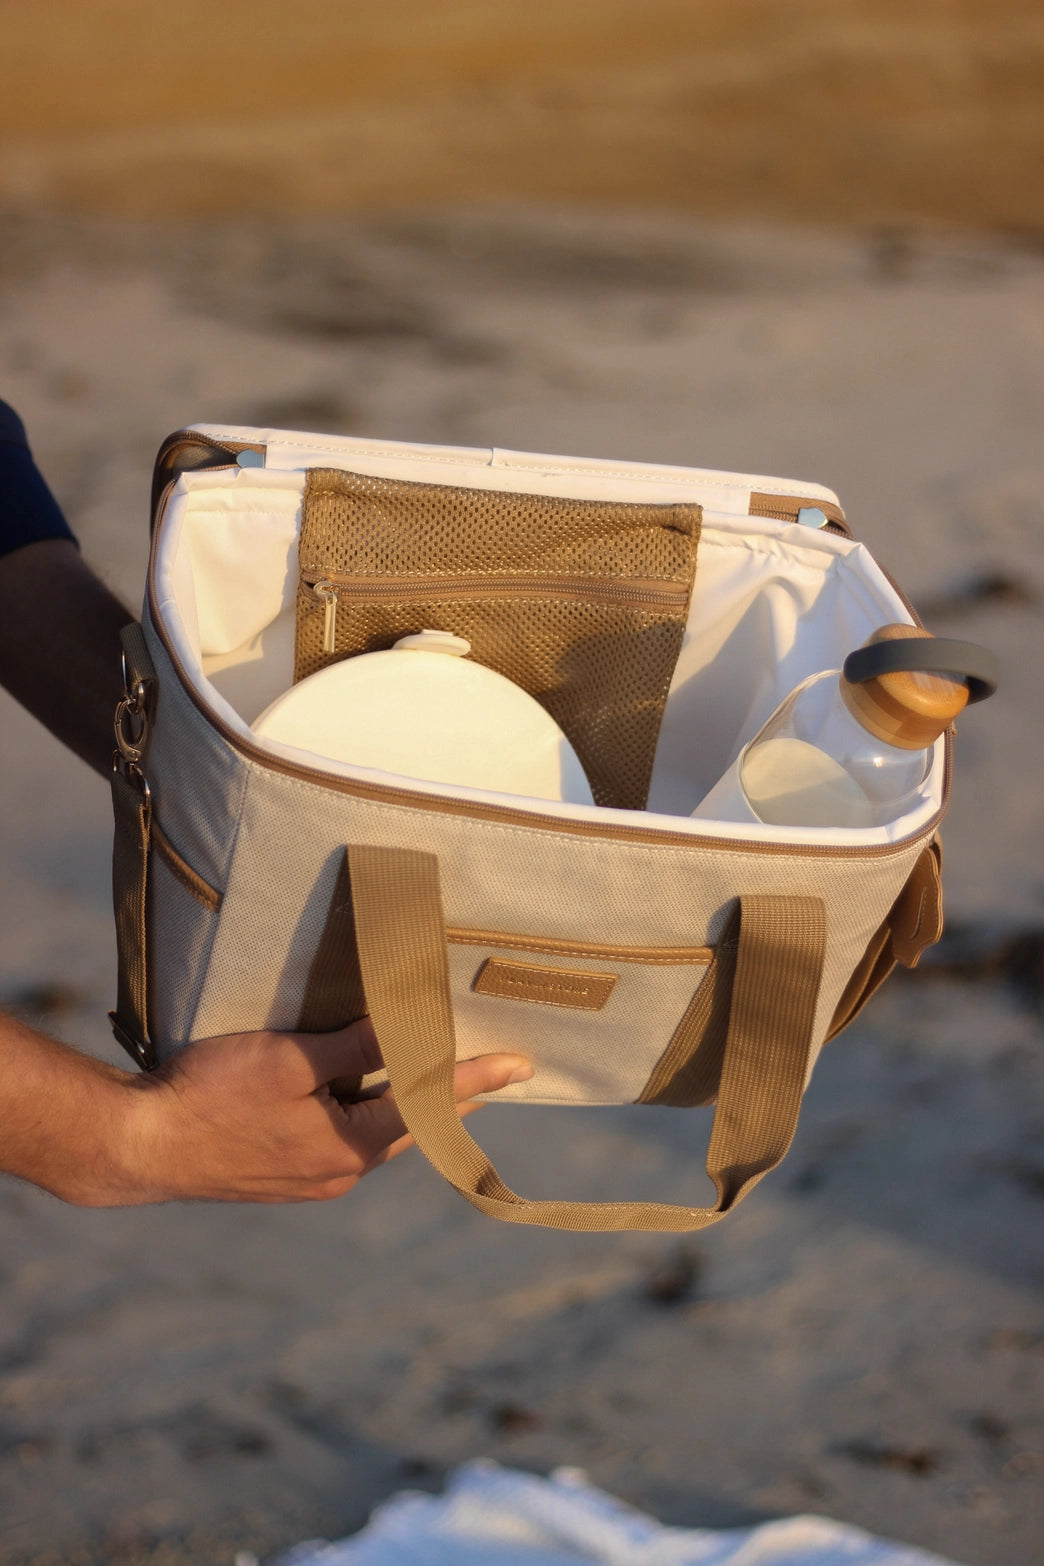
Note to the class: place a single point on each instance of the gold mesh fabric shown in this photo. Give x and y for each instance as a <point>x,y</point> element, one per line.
<point>602,669</point>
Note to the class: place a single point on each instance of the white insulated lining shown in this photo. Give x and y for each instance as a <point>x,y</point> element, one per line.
<point>773,603</point>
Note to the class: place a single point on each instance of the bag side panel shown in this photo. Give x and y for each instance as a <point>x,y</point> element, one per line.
<point>181,930</point>
<point>197,779</point>
<point>197,782</point>
<point>914,922</point>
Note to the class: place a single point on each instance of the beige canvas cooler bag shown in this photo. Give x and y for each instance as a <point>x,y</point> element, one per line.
<point>634,954</point>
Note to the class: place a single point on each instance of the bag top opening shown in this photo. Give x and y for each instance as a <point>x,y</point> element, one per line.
<point>773,603</point>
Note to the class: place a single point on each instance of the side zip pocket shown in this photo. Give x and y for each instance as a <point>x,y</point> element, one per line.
<point>182,870</point>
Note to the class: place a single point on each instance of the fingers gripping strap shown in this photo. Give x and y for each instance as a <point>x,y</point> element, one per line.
<point>402,952</point>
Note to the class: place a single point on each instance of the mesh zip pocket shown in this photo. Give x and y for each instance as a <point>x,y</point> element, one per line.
<point>581,603</point>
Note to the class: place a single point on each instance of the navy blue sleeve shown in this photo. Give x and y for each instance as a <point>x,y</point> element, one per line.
<point>29,512</point>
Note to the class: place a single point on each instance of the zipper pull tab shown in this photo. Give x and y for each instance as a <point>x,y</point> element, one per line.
<point>327,593</point>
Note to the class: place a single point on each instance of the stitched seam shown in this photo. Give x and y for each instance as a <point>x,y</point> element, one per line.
<point>645,477</point>
<point>915,932</point>
<point>828,855</point>
<point>538,1000</point>
<point>534,467</point>
<point>491,577</point>
<point>437,599</point>
<point>682,506</point>
<point>686,957</point>
<point>383,451</point>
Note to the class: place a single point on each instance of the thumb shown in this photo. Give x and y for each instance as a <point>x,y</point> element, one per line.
<point>489,1073</point>
<point>375,1126</point>
<point>350,1052</point>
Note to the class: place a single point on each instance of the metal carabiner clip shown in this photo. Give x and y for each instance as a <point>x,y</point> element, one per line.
<point>130,726</point>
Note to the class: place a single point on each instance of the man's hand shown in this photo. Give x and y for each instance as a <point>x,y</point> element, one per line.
<point>247,1118</point>
<point>253,1118</point>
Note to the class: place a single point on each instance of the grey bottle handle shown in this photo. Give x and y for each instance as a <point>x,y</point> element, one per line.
<point>926,655</point>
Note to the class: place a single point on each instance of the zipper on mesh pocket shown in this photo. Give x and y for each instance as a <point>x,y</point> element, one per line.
<point>330,588</point>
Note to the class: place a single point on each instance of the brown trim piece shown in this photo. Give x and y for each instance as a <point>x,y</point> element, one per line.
<point>521,981</point>
<point>209,452</point>
<point>659,956</point>
<point>201,890</point>
<point>917,915</point>
<point>785,508</point>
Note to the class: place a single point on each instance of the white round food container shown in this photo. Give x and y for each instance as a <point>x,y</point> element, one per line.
<point>422,710</point>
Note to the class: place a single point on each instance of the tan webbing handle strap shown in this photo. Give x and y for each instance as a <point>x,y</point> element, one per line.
<point>402,952</point>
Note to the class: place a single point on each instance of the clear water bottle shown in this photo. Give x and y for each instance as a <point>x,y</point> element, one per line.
<point>851,747</point>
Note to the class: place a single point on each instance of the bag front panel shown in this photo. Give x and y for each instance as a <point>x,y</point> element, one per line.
<point>591,1019</point>
<point>497,877</point>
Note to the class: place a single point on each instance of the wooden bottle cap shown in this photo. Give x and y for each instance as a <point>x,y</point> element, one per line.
<point>908,709</point>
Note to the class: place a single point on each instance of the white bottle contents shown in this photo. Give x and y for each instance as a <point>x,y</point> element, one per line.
<point>421,711</point>
<point>790,782</point>
<point>835,754</point>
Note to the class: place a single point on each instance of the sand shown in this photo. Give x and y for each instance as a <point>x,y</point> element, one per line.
<point>878,113</point>
<point>864,1338</point>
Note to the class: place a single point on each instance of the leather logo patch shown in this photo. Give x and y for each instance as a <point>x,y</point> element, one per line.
<point>546,986</point>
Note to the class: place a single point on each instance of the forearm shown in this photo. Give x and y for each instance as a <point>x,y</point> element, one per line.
<point>60,651</point>
<point>246,1118</point>
<point>64,1117</point>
